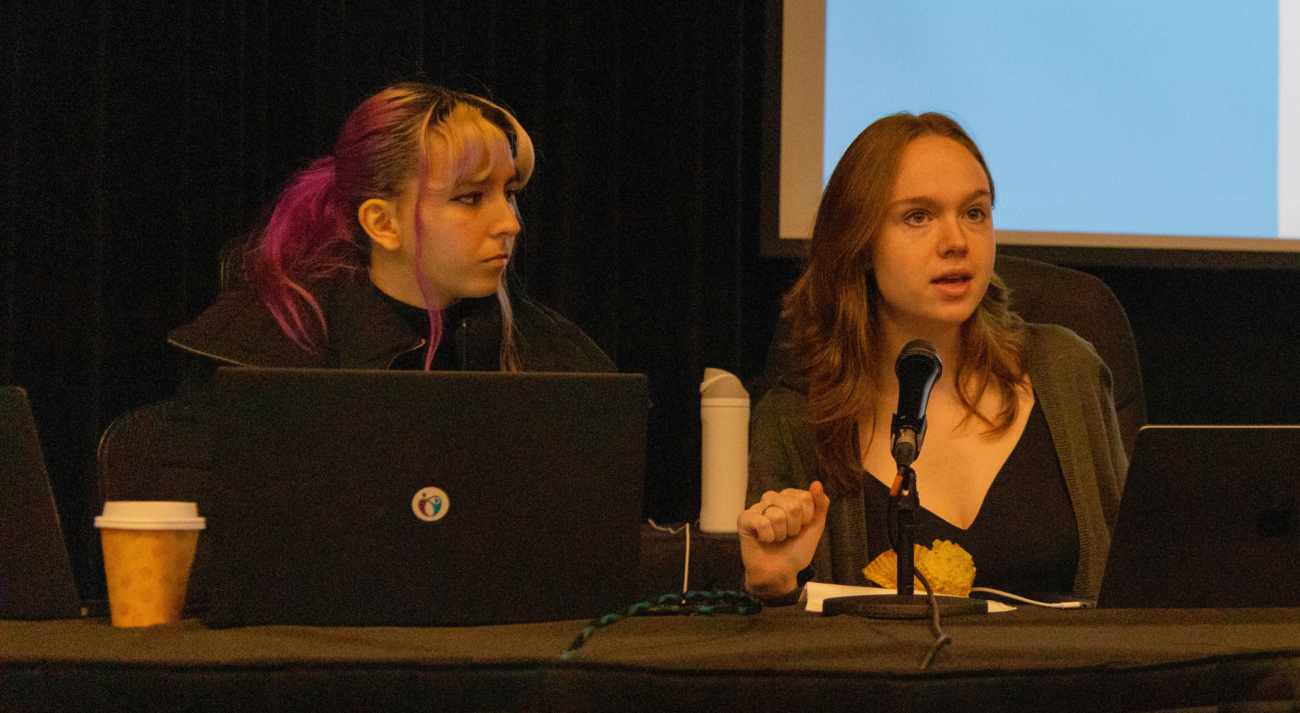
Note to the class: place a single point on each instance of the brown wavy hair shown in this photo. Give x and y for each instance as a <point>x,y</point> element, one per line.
<point>833,309</point>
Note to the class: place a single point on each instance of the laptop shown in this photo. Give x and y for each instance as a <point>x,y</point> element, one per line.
<point>1210,517</point>
<point>397,498</point>
<point>35,572</point>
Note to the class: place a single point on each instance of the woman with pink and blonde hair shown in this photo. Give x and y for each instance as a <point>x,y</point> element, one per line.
<point>391,252</point>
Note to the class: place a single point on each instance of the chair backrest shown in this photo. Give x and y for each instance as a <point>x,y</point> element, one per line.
<point>1047,294</point>
<point>156,452</point>
<point>161,452</point>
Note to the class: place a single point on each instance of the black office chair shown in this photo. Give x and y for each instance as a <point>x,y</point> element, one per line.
<point>1048,294</point>
<point>155,452</point>
<point>161,452</point>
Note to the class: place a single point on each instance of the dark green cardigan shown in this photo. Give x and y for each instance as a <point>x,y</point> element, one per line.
<point>1072,385</point>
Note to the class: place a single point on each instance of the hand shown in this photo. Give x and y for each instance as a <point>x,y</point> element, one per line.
<point>778,536</point>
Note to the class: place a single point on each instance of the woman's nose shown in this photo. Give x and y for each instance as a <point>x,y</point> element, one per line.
<point>952,237</point>
<point>505,218</point>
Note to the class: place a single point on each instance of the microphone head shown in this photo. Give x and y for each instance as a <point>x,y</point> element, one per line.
<point>918,353</point>
<point>917,367</point>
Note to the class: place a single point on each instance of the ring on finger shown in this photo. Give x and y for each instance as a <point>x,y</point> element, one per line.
<point>769,507</point>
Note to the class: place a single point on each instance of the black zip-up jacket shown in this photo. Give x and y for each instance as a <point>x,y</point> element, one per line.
<point>164,451</point>
<point>365,332</point>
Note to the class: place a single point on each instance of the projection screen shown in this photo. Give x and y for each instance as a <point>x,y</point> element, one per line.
<point>1107,123</point>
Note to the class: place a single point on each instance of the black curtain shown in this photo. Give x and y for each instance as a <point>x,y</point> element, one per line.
<point>140,138</point>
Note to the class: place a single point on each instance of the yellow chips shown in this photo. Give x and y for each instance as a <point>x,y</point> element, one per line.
<point>949,569</point>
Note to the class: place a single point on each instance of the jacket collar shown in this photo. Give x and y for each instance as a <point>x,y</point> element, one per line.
<point>363,333</point>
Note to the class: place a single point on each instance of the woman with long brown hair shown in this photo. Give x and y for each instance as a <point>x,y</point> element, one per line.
<point>1022,463</point>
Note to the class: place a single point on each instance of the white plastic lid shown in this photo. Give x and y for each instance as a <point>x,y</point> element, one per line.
<point>150,515</point>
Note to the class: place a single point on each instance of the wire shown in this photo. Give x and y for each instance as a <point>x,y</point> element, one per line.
<point>686,575</point>
<point>1026,600</point>
<point>940,639</point>
<point>688,603</point>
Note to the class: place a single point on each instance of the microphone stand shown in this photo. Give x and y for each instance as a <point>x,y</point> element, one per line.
<point>905,604</point>
<point>917,368</point>
<point>905,504</point>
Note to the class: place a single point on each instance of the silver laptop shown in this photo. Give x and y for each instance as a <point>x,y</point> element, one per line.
<point>1210,517</point>
<point>390,498</point>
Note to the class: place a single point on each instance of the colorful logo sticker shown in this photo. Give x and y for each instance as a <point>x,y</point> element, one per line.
<point>430,504</point>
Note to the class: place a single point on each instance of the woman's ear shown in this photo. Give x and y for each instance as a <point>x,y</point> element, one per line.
<point>378,218</point>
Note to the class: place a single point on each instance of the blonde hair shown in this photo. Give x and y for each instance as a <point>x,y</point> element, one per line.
<point>313,233</point>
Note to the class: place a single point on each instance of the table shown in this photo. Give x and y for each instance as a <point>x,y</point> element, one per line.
<point>780,660</point>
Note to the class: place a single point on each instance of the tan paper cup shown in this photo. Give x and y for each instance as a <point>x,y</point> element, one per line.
<point>148,551</point>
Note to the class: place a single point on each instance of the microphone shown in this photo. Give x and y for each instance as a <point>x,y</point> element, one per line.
<point>917,367</point>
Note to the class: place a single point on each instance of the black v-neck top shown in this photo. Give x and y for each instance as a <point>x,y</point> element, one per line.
<point>1024,540</point>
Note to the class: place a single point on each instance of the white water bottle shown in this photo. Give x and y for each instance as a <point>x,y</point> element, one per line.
<point>724,472</point>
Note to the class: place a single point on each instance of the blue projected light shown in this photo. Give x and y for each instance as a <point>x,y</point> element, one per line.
<point>1110,116</point>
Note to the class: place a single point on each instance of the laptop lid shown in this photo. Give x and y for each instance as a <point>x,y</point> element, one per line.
<point>1210,517</point>
<point>373,498</point>
<point>35,573</point>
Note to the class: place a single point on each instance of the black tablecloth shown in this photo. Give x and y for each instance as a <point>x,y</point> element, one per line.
<point>779,660</point>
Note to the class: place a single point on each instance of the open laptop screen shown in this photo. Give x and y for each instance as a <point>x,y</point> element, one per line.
<point>413,499</point>
<point>1210,517</point>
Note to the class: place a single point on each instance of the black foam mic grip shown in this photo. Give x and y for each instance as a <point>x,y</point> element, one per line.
<point>918,368</point>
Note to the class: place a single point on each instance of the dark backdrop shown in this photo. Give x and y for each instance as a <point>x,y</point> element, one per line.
<point>139,138</point>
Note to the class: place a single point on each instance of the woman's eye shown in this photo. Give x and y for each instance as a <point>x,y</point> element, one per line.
<point>916,217</point>
<point>471,198</point>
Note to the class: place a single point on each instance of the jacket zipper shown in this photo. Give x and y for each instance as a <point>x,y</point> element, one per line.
<point>404,352</point>
<point>225,360</point>
<point>214,357</point>
<point>463,330</point>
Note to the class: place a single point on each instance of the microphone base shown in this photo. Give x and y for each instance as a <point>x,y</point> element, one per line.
<point>895,606</point>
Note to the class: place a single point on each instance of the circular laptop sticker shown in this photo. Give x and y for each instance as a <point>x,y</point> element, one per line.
<point>430,504</point>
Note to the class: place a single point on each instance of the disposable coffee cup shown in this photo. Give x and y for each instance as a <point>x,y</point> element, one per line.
<point>148,551</point>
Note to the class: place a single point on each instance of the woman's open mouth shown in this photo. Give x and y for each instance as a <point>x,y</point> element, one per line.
<point>954,283</point>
